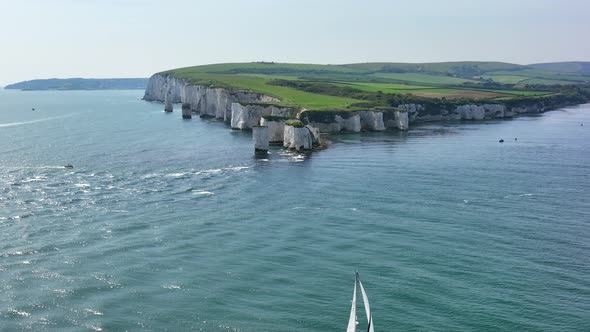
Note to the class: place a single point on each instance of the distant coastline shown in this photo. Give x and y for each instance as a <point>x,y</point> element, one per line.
<point>80,84</point>
<point>293,104</point>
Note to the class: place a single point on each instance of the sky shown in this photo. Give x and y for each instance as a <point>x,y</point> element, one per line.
<point>136,38</point>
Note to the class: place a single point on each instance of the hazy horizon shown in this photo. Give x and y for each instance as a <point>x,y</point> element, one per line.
<point>132,38</point>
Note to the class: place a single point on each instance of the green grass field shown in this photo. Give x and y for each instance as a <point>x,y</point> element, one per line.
<point>450,80</point>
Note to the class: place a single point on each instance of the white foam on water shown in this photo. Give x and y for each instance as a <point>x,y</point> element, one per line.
<point>21,313</point>
<point>59,291</point>
<point>94,312</point>
<point>94,327</point>
<point>203,192</point>
<point>176,175</point>
<point>209,171</point>
<point>237,168</point>
<point>520,195</point>
<point>19,253</point>
<point>171,286</point>
<point>34,179</point>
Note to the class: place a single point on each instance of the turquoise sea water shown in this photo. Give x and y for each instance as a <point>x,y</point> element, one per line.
<point>167,224</point>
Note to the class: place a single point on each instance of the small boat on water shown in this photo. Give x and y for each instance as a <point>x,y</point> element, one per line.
<point>352,321</point>
<point>69,166</point>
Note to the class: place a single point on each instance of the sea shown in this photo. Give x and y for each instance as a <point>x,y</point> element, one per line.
<point>165,224</point>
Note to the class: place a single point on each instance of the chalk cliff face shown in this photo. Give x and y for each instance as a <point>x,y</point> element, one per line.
<point>206,101</point>
<point>300,138</point>
<point>276,129</point>
<point>494,111</point>
<point>355,121</point>
<point>315,134</point>
<point>249,115</point>
<point>471,112</point>
<point>397,119</point>
<point>422,113</point>
<point>297,138</point>
<point>158,86</point>
<point>371,120</point>
<point>332,122</point>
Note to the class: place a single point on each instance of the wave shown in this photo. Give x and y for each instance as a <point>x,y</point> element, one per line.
<point>203,192</point>
<point>171,286</point>
<point>21,313</point>
<point>94,312</point>
<point>520,195</point>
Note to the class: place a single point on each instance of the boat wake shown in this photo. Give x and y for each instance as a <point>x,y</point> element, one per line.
<point>15,124</point>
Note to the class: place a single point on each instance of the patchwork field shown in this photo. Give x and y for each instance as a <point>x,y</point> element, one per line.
<point>353,86</point>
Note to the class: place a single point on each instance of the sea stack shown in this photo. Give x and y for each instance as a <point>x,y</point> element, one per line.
<point>168,107</point>
<point>260,136</point>
<point>297,136</point>
<point>186,111</point>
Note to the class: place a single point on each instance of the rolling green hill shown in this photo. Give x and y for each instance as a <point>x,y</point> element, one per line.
<point>350,86</point>
<point>578,67</point>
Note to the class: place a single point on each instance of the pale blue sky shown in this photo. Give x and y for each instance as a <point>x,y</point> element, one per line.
<point>133,38</point>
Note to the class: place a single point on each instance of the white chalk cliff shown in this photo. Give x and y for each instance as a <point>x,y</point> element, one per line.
<point>206,101</point>
<point>356,121</point>
<point>298,138</point>
<point>428,113</point>
<point>249,115</point>
<point>276,129</point>
<point>245,110</point>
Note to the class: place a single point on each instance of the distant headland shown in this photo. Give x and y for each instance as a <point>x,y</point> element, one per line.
<point>81,84</point>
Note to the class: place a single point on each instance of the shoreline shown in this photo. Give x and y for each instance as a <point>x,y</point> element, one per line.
<point>300,129</point>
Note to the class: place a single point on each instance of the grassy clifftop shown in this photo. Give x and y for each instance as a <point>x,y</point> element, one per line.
<point>365,85</point>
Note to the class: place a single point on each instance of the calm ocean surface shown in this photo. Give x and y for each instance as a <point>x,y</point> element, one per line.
<point>167,224</point>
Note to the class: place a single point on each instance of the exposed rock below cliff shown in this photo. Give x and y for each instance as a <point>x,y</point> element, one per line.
<point>355,121</point>
<point>315,134</point>
<point>471,112</point>
<point>427,113</point>
<point>332,121</point>
<point>396,119</point>
<point>494,111</point>
<point>186,111</point>
<point>298,138</point>
<point>371,120</point>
